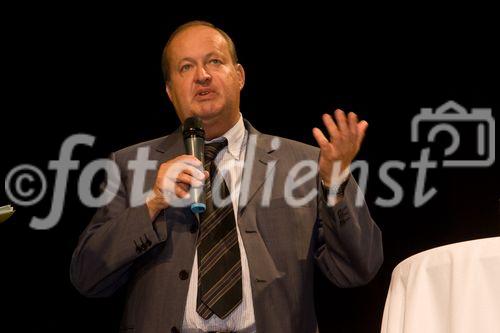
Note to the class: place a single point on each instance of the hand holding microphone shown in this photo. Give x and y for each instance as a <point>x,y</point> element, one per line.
<point>181,177</point>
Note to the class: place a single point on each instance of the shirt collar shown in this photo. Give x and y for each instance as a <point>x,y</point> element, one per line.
<point>234,136</point>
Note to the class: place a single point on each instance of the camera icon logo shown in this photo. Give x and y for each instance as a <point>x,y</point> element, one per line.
<point>446,118</point>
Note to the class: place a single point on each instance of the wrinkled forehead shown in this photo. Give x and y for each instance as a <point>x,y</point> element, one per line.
<point>197,42</point>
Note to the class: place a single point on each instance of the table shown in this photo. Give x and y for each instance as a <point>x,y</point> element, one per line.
<point>453,288</point>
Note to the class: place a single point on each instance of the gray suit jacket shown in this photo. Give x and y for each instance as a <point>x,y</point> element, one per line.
<point>122,246</point>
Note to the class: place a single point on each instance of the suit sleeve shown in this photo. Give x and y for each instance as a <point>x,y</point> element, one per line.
<point>349,250</point>
<point>116,236</point>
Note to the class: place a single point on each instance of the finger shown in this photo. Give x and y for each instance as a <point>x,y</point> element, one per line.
<point>167,186</point>
<point>341,120</point>
<point>194,172</point>
<point>180,168</point>
<point>188,180</point>
<point>362,126</point>
<point>322,141</point>
<point>190,159</point>
<point>330,125</point>
<point>353,123</point>
<point>185,187</point>
<point>181,193</point>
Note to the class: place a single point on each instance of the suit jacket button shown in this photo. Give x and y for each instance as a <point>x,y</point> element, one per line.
<point>183,275</point>
<point>174,330</point>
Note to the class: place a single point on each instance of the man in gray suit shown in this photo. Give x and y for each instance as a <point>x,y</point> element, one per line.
<point>246,266</point>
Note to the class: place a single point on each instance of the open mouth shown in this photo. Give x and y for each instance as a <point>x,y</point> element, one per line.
<point>205,94</point>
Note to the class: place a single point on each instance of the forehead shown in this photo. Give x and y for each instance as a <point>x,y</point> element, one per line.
<point>196,42</point>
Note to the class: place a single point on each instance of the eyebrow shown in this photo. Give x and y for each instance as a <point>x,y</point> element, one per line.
<point>186,59</point>
<point>209,55</point>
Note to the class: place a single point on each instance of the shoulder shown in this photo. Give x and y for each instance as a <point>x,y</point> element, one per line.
<point>130,152</point>
<point>292,149</point>
<point>283,147</point>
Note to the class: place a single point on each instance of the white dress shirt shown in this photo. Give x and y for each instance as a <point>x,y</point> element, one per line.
<point>230,162</point>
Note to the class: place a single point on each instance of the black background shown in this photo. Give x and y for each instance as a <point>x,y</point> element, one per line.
<point>82,69</point>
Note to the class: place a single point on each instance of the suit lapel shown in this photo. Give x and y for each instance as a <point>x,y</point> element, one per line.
<point>257,157</point>
<point>169,147</point>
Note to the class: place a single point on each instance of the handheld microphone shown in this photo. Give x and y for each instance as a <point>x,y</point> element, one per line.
<point>194,141</point>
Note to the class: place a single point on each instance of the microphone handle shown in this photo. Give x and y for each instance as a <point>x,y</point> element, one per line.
<point>195,146</point>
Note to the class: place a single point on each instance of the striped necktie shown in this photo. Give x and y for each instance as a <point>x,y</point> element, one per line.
<point>219,263</point>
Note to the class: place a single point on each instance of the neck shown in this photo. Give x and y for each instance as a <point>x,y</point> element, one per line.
<point>216,128</point>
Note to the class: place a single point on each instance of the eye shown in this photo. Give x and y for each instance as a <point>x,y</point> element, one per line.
<point>215,62</point>
<point>185,68</point>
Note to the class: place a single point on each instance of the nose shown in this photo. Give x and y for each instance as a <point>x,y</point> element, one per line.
<point>203,77</point>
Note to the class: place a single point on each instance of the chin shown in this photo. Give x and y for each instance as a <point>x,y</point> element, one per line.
<point>207,113</point>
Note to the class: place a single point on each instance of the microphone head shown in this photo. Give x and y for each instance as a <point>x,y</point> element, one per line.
<point>193,126</point>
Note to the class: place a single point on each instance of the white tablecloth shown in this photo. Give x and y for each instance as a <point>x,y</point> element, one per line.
<point>453,288</point>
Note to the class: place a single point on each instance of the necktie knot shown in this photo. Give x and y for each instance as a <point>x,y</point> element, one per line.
<point>213,148</point>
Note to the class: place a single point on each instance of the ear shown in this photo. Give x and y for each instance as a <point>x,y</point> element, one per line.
<point>241,75</point>
<point>168,90</point>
